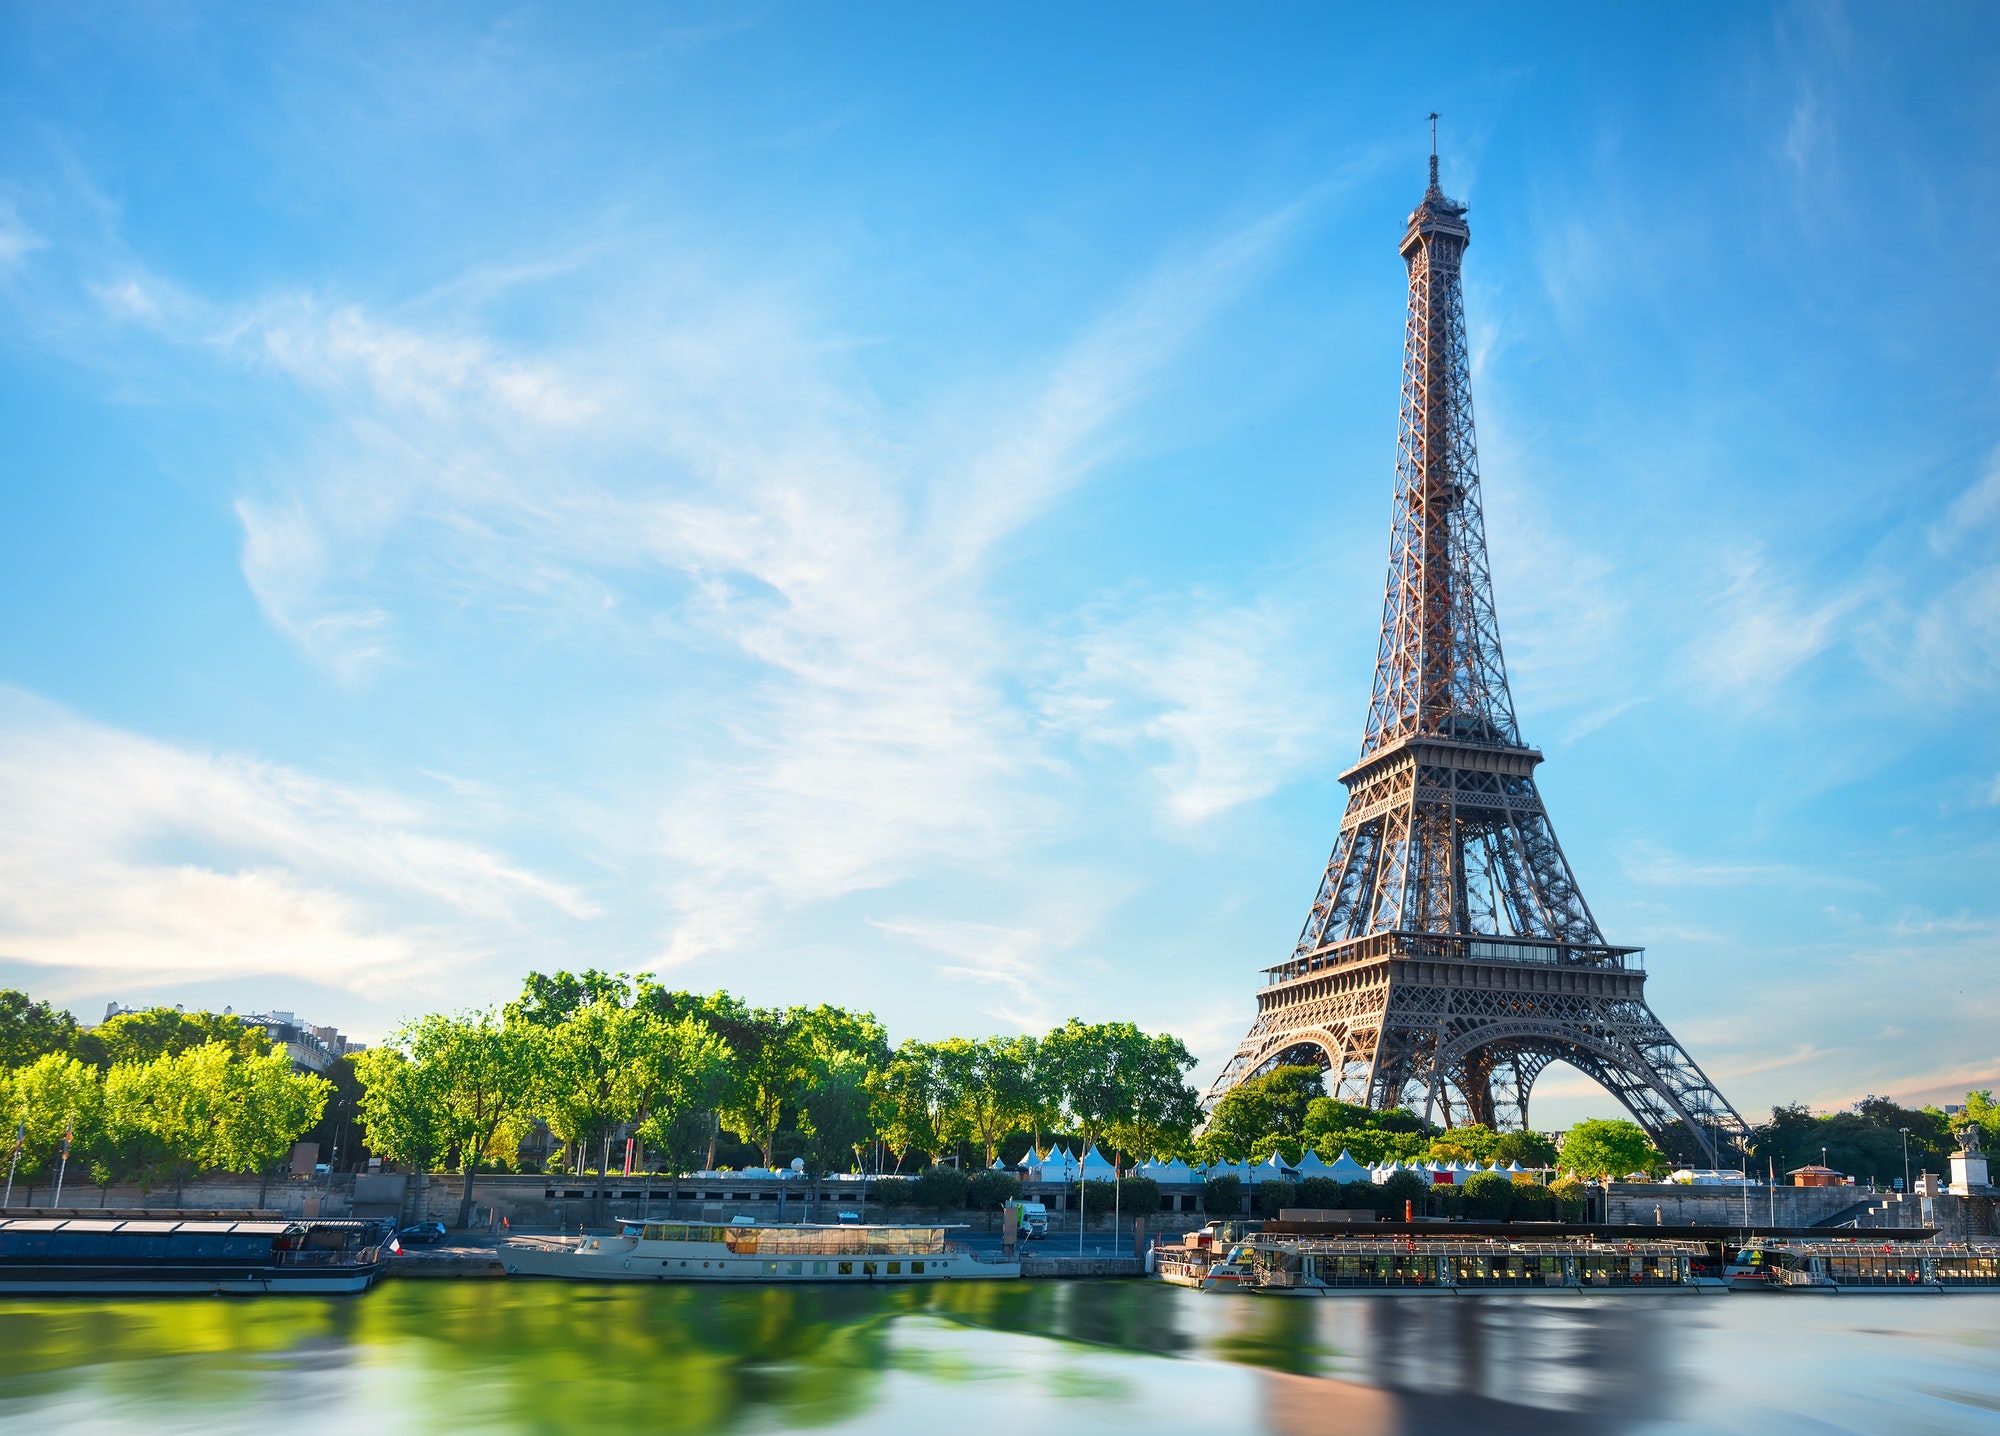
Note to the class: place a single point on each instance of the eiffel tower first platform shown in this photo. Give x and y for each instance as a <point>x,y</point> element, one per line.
<point>1449,957</point>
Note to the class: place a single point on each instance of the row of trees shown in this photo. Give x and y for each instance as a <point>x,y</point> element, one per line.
<point>600,1058</point>
<point>149,1098</point>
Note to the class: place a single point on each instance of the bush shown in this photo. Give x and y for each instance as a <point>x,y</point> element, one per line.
<point>1489,1197</point>
<point>1360,1197</point>
<point>1532,1203</point>
<point>941,1188</point>
<point>1401,1188</point>
<point>1097,1198</point>
<point>894,1191</point>
<point>1222,1196</point>
<point>1320,1192</point>
<point>1140,1197</point>
<point>1274,1197</point>
<point>1567,1194</point>
<point>987,1190</point>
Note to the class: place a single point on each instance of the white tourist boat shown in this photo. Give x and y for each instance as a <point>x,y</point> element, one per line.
<point>749,1252</point>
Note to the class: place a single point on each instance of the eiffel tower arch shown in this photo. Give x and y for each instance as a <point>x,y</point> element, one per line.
<point>1449,957</point>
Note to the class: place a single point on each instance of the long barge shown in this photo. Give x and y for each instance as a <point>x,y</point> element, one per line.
<point>744,1252</point>
<point>1830,1268</point>
<point>54,1256</point>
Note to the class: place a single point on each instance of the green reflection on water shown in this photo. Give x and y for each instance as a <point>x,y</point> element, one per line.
<point>554,1357</point>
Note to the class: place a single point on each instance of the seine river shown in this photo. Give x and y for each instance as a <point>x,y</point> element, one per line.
<point>1028,1359</point>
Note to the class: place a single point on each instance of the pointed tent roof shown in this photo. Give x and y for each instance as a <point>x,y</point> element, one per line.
<point>1346,1169</point>
<point>1310,1165</point>
<point>1093,1161</point>
<point>1276,1163</point>
<point>1182,1172</point>
<point>1513,1166</point>
<point>998,1164</point>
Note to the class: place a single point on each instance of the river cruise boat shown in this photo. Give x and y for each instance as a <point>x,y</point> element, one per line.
<point>744,1252</point>
<point>1444,1267</point>
<point>50,1256</point>
<point>1829,1268</point>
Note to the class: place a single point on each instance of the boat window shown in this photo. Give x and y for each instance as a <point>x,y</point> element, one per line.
<point>916,1268</point>
<point>819,1268</point>
<point>895,1268</point>
<point>847,1268</point>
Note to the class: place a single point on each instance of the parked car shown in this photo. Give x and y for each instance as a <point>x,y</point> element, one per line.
<point>421,1234</point>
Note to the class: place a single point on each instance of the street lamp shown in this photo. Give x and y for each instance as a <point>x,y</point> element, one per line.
<point>1906,1159</point>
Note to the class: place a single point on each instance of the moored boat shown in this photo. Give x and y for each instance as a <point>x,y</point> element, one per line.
<point>747,1252</point>
<point>1829,1268</point>
<point>1447,1267</point>
<point>52,1256</point>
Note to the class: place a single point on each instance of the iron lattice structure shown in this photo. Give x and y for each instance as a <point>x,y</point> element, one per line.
<point>1449,956</point>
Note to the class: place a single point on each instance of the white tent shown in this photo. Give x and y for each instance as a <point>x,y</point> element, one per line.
<point>1311,1166</point>
<point>1095,1168</point>
<point>1275,1169</point>
<point>998,1164</point>
<point>1513,1167</point>
<point>1346,1169</point>
<point>1175,1171</point>
<point>1387,1170</point>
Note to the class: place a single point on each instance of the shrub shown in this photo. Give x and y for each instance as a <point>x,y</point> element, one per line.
<point>1360,1196</point>
<point>1489,1196</point>
<point>1567,1194</point>
<point>1097,1198</point>
<point>987,1190</point>
<point>1140,1196</point>
<point>1321,1192</point>
<point>1401,1188</point>
<point>1222,1196</point>
<point>1274,1197</point>
<point>894,1191</point>
<point>1532,1203</point>
<point>942,1188</point>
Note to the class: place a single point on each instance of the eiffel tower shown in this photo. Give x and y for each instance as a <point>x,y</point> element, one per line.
<point>1449,957</point>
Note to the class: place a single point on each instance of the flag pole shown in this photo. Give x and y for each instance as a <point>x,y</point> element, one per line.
<point>61,1171</point>
<point>20,1136</point>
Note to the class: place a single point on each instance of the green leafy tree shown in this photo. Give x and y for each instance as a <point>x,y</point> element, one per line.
<point>1222,1196</point>
<point>1162,1109</point>
<point>128,1147</point>
<point>47,1096</point>
<point>1277,1105</point>
<point>1105,1069</point>
<point>985,1086</point>
<point>402,1110</point>
<point>141,1037</point>
<point>672,1074</point>
<point>30,1029</point>
<point>479,1076</point>
<point>180,1098</point>
<point>580,1061</point>
<point>911,1094</point>
<point>1600,1147</point>
<point>837,1116</point>
<point>942,1189</point>
<point>265,1107</point>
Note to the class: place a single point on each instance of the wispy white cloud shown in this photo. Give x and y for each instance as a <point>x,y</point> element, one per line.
<point>121,852</point>
<point>1230,701</point>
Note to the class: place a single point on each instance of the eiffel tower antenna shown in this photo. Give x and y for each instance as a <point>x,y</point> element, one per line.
<point>1449,956</point>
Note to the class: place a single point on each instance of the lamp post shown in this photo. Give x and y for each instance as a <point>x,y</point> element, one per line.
<point>1906,1159</point>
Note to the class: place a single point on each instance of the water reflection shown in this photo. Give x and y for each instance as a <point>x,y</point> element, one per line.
<point>545,1357</point>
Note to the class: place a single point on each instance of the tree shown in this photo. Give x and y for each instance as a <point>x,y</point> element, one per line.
<point>402,1111</point>
<point>1278,1104</point>
<point>1104,1068</point>
<point>671,1074</point>
<point>1609,1148</point>
<point>837,1116</point>
<point>986,1085</point>
<point>30,1029</point>
<point>265,1108</point>
<point>579,1067</point>
<point>479,1076</point>
<point>911,1095</point>
<point>47,1096</point>
<point>1163,1109</point>
<point>179,1098</point>
<point>140,1037</point>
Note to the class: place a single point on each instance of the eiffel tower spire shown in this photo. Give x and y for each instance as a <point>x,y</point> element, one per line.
<point>1449,956</point>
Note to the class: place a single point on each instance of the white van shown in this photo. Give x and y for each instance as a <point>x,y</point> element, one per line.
<point>1034,1220</point>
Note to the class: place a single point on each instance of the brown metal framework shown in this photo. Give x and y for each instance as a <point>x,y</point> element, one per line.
<point>1449,956</point>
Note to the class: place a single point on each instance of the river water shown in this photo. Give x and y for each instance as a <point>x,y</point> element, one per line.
<point>1027,1359</point>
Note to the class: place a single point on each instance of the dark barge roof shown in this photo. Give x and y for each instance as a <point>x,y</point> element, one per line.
<point>267,1226</point>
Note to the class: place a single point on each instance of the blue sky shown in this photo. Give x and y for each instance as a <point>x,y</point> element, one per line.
<point>890,507</point>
